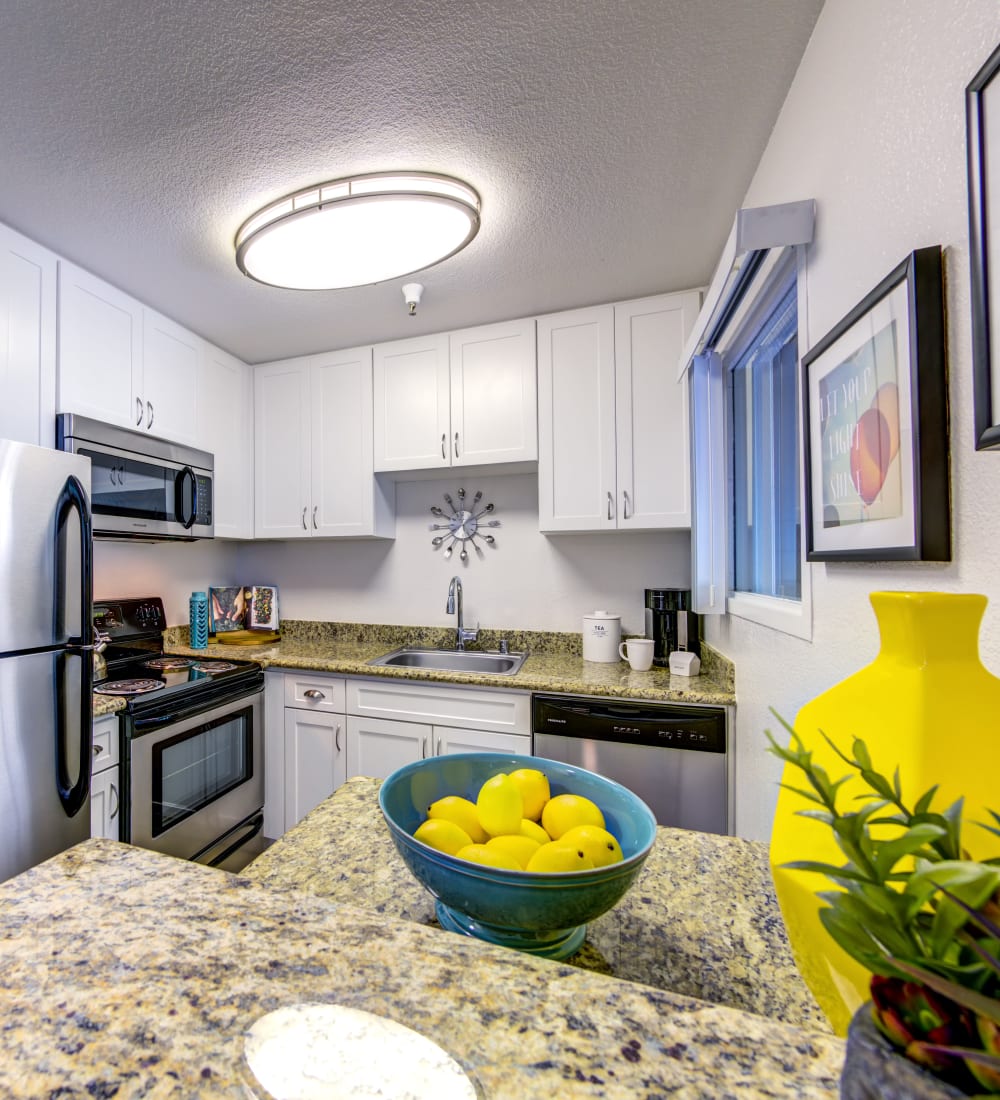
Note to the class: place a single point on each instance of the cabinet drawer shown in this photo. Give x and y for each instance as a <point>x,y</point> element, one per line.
<point>323,693</point>
<point>473,708</point>
<point>105,744</point>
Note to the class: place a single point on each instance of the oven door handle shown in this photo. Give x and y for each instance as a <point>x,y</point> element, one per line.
<point>247,832</point>
<point>151,723</point>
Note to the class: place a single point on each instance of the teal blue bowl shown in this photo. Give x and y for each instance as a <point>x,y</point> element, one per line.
<point>543,914</point>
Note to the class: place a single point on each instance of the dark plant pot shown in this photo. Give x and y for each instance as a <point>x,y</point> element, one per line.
<point>875,1070</point>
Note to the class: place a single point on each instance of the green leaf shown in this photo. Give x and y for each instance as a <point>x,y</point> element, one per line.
<point>913,840</point>
<point>924,801</point>
<point>837,874</point>
<point>811,795</point>
<point>861,755</point>
<point>988,1007</point>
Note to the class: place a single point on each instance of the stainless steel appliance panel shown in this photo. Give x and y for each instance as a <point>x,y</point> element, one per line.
<point>46,637</point>
<point>195,781</point>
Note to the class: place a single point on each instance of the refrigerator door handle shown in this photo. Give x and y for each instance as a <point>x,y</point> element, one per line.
<point>72,794</point>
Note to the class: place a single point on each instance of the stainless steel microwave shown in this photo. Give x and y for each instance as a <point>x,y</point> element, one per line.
<point>142,487</point>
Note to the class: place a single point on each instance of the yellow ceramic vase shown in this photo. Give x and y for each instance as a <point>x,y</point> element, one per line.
<point>926,704</point>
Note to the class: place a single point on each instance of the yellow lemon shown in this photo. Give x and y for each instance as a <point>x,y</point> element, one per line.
<point>557,856</point>
<point>489,857</point>
<point>463,812</point>
<point>598,843</point>
<point>500,806</point>
<point>534,788</point>
<point>519,848</point>
<point>566,810</point>
<point>446,836</point>
<point>534,830</point>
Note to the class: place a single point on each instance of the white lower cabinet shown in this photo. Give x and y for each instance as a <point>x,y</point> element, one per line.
<point>105,784</point>
<point>447,740</point>
<point>377,746</point>
<point>314,760</point>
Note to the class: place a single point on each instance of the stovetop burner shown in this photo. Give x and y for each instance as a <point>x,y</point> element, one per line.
<point>168,664</point>
<point>214,666</point>
<point>129,687</point>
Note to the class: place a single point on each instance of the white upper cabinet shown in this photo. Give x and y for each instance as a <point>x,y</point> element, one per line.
<point>225,428</point>
<point>100,350</point>
<point>27,340</point>
<point>172,360</point>
<point>123,363</point>
<point>313,450</point>
<point>613,420</point>
<point>460,399</point>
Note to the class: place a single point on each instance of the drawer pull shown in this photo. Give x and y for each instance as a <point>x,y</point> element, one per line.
<point>98,749</point>
<point>313,693</point>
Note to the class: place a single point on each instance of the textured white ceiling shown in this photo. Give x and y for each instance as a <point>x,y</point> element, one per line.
<point>611,141</point>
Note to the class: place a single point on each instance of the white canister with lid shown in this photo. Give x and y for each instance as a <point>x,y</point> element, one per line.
<point>602,634</point>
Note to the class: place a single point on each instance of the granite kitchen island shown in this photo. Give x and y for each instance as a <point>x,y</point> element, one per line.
<point>128,974</point>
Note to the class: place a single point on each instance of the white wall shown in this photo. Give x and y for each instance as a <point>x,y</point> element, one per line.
<point>873,128</point>
<point>530,581</point>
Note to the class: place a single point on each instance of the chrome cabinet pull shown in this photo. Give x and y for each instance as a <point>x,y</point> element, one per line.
<point>98,749</point>
<point>138,411</point>
<point>315,510</point>
<point>626,500</point>
<point>114,813</point>
<point>314,693</point>
<point>336,737</point>
<point>611,502</point>
<point>456,444</point>
<point>304,526</point>
<point>444,453</point>
<point>423,748</point>
<point>149,414</point>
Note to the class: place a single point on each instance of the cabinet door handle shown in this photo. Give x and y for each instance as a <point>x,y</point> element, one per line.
<point>314,693</point>
<point>114,794</point>
<point>98,749</point>
<point>444,453</point>
<point>315,510</point>
<point>304,525</point>
<point>423,748</point>
<point>336,737</point>
<point>611,504</point>
<point>138,411</point>
<point>626,504</point>
<point>456,444</point>
<point>149,414</point>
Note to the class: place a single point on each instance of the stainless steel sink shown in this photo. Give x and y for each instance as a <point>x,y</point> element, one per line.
<point>453,660</point>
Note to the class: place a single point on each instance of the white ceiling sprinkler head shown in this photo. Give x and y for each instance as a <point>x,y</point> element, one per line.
<point>411,295</point>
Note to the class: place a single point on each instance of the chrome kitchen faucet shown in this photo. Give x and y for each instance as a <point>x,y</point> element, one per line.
<point>454,607</point>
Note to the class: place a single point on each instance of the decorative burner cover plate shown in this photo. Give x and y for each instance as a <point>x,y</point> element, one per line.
<point>214,666</point>
<point>129,687</point>
<point>169,663</point>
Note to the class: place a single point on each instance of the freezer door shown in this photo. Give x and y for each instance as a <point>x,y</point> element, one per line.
<point>40,566</point>
<point>40,708</point>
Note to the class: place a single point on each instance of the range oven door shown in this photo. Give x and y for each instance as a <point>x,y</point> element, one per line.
<point>199,781</point>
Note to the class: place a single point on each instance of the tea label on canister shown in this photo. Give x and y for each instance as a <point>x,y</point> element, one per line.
<point>602,634</point>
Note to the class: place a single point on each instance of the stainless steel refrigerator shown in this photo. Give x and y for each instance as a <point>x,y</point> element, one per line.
<point>46,662</point>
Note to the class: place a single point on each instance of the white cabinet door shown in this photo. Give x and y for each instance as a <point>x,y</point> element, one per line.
<point>376,747</point>
<point>171,365</point>
<point>225,428</point>
<point>448,740</point>
<point>654,483</point>
<point>27,340</point>
<point>346,499</point>
<point>314,760</point>
<point>105,804</point>
<point>282,455</point>
<point>100,350</point>
<point>577,481</point>
<point>412,411</point>
<point>493,394</point>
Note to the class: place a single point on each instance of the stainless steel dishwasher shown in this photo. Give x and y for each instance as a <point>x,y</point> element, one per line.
<point>674,757</point>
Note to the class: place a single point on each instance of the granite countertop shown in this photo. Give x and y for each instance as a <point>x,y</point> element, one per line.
<point>701,919</point>
<point>128,973</point>
<point>107,704</point>
<point>555,662</point>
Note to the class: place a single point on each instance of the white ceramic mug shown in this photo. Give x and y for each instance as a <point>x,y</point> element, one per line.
<point>638,652</point>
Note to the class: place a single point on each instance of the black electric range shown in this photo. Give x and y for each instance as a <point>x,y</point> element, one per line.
<point>152,683</point>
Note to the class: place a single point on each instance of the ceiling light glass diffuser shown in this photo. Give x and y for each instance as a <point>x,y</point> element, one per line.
<point>357,231</point>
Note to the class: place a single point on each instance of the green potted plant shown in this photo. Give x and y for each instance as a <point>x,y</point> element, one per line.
<point>913,909</point>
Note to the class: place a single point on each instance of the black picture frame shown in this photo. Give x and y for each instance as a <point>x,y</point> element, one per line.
<point>982,103</point>
<point>875,425</point>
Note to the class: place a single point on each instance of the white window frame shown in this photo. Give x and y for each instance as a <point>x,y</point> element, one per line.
<point>787,616</point>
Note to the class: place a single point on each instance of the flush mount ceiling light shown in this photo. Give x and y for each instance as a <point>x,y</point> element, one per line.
<point>356,231</point>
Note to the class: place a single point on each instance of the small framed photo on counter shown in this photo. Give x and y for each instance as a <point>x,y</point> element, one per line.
<point>875,433</point>
<point>227,608</point>
<point>263,613</point>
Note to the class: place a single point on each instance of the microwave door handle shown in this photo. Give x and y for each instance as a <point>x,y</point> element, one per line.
<point>73,795</point>
<point>187,522</point>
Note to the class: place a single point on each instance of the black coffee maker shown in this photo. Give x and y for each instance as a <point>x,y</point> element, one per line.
<point>671,623</point>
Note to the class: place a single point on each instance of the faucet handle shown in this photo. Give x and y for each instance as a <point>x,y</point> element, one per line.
<point>503,645</point>
<point>467,635</point>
